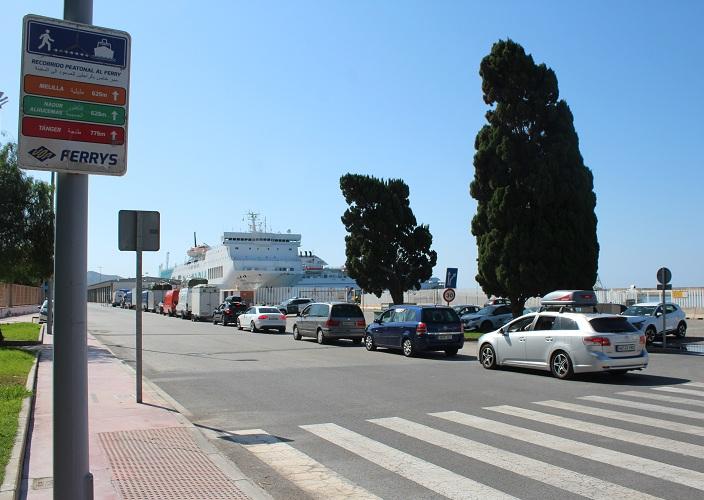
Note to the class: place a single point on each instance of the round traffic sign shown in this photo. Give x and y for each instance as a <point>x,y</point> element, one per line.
<point>448,295</point>
<point>664,275</point>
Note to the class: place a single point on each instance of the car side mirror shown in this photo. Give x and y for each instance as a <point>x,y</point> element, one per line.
<point>658,314</point>
<point>298,314</point>
<point>502,330</point>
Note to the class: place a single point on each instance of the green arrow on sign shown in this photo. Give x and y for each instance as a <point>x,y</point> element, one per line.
<point>73,110</point>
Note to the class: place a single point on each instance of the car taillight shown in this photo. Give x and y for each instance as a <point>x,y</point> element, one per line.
<point>263,316</point>
<point>642,340</point>
<point>361,323</point>
<point>421,329</point>
<point>332,322</point>
<point>602,341</point>
<point>282,316</point>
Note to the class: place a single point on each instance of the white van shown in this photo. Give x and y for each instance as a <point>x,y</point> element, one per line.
<point>183,308</point>
<point>204,300</point>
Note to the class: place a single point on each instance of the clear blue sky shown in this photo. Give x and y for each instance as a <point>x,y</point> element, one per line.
<point>239,106</point>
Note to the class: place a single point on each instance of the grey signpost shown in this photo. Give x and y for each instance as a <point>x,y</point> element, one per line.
<point>664,276</point>
<point>138,231</point>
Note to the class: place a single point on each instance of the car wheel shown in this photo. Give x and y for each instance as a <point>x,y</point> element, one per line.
<point>451,352</point>
<point>487,357</point>
<point>321,337</point>
<point>408,350</point>
<point>224,321</point>
<point>681,329</point>
<point>486,327</point>
<point>369,343</point>
<point>239,324</point>
<point>561,365</point>
<point>296,333</point>
<point>252,327</point>
<point>650,334</point>
<point>215,322</point>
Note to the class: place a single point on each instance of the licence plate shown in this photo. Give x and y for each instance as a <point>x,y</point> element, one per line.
<point>444,337</point>
<point>625,347</point>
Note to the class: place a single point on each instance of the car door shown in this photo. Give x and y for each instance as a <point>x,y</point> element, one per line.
<point>511,345</point>
<point>303,321</point>
<point>247,316</point>
<point>379,328</point>
<point>541,338</point>
<point>671,317</point>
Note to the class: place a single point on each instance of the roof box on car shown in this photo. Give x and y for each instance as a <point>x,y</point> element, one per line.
<point>580,300</point>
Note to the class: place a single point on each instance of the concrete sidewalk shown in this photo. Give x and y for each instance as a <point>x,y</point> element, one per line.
<point>137,451</point>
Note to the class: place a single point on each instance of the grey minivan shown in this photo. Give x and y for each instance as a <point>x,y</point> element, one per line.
<point>330,320</point>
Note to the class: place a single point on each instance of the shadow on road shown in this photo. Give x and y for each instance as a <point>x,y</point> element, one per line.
<point>630,379</point>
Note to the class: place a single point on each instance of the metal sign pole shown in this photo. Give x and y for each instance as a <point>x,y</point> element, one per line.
<point>664,313</point>
<point>138,312</point>
<point>72,477</point>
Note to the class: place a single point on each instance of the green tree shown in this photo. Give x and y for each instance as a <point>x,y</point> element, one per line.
<point>535,223</point>
<point>385,248</point>
<point>26,224</point>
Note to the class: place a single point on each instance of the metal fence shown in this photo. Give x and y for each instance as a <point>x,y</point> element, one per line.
<point>278,295</point>
<point>19,295</point>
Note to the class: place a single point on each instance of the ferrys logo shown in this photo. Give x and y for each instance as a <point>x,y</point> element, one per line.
<point>89,157</point>
<point>42,154</point>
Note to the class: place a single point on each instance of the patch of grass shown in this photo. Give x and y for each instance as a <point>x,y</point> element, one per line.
<point>14,368</point>
<point>472,335</point>
<point>20,331</point>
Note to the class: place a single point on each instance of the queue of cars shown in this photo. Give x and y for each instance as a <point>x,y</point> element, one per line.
<point>567,334</point>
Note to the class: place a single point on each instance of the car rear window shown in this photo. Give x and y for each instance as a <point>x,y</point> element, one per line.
<point>269,310</point>
<point>612,325</point>
<point>440,315</point>
<point>346,311</point>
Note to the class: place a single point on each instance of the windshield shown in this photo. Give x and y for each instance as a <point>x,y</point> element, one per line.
<point>639,311</point>
<point>439,315</point>
<point>346,311</point>
<point>485,310</point>
<point>269,310</point>
<point>612,325</point>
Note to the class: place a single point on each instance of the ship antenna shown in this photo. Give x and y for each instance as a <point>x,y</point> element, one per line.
<point>195,243</point>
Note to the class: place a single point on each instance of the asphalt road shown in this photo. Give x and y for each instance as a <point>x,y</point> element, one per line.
<point>230,381</point>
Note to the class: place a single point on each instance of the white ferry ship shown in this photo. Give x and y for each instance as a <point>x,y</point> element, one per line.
<point>256,258</point>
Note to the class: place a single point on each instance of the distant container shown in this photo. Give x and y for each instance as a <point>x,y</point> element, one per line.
<point>127,300</point>
<point>204,299</point>
<point>118,297</point>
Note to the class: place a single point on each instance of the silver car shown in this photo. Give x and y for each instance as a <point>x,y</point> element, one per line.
<point>566,343</point>
<point>488,318</point>
<point>330,320</point>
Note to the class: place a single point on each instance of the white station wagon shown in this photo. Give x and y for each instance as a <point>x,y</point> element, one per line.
<point>566,343</point>
<point>566,338</point>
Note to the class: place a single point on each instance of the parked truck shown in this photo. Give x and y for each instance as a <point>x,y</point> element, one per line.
<point>204,300</point>
<point>170,302</point>
<point>183,308</point>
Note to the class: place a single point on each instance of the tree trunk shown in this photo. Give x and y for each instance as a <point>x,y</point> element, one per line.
<point>517,306</point>
<point>396,296</point>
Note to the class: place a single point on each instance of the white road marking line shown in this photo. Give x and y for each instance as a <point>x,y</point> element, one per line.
<point>625,417</point>
<point>663,397</point>
<point>648,440</point>
<point>565,479</point>
<point>677,390</point>
<point>303,471</point>
<point>694,384</point>
<point>633,463</point>
<point>428,475</point>
<point>646,406</point>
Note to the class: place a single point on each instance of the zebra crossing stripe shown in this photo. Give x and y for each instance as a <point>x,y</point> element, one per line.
<point>680,391</point>
<point>625,417</point>
<point>646,406</point>
<point>663,397</point>
<point>619,459</point>
<point>694,384</point>
<point>428,475</point>
<point>574,482</point>
<point>660,443</point>
<point>303,471</point>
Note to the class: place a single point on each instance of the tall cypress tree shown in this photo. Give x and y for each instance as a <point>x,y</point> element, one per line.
<point>385,248</point>
<point>535,223</point>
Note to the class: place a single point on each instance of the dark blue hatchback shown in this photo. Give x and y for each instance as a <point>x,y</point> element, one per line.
<point>414,328</point>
